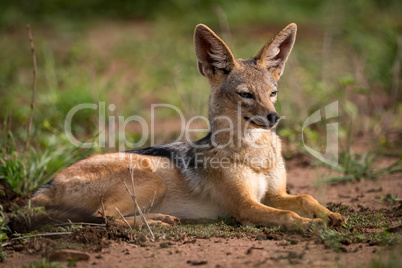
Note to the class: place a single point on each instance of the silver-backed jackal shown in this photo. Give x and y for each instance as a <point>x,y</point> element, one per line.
<point>237,169</point>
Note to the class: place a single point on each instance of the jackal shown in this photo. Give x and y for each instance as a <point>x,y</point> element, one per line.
<point>237,169</point>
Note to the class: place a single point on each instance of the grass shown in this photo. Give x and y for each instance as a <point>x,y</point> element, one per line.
<point>3,229</point>
<point>392,260</point>
<point>45,263</point>
<point>352,166</point>
<point>356,167</point>
<point>392,199</point>
<point>24,214</point>
<point>204,229</point>
<point>363,227</point>
<point>24,172</point>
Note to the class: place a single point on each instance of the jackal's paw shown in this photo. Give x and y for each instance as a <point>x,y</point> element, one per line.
<point>157,223</point>
<point>336,219</point>
<point>167,219</point>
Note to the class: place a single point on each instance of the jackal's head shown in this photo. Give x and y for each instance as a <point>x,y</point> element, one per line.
<point>243,90</point>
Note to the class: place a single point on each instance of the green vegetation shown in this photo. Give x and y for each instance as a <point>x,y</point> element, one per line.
<point>392,199</point>
<point>3,229</point>
<point>356,167</point>
<point>24,214</point>
<point>392,260</point>
<point>24,172</point>
<point>356,230</point>
<point>46,264</point>
<point>191,229</point>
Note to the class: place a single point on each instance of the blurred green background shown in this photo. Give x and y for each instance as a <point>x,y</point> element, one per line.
<point>134,53</point>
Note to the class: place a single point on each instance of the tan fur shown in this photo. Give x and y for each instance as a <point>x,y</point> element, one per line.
<point>252,192</point>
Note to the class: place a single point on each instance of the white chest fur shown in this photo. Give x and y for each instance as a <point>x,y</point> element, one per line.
<point>258,185</point>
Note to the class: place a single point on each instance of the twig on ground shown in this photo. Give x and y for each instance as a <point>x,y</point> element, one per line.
<point>126,222</point>
<point>33,86</point>
<point>42,234</point>
<point>124,219</point>
<point>131,170</point>
<point>70,223</point>
<point>103,211</point>
<point>79,223</point>
<point>152,204</point>
<point>132,183</point>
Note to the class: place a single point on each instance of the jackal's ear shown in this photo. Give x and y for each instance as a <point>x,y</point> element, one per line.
<point>275,53</point>
<point>212,53</point>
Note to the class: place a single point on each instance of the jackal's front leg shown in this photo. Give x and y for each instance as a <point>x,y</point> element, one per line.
<point>305,206</point>
<point>240,203</point>
<point>253,212</point>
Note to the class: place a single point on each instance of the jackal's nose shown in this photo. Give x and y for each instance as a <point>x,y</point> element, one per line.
<point>273,118</point>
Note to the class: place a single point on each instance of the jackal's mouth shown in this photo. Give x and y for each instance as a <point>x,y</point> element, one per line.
<point>248,119</point>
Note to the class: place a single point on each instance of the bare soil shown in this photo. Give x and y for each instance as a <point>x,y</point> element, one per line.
<point>103,248</point>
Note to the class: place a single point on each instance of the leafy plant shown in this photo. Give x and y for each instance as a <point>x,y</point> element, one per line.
<point>356,167</point>
<point>24,213</point>
<point>3,229</point>
<point>23,172</point>
<point>392,199</point>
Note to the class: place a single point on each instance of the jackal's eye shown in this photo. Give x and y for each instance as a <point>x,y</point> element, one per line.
<point>273,94</point>
<point>246,95</point>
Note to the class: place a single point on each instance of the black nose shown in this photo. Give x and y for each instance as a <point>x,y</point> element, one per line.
<point>273,118</point>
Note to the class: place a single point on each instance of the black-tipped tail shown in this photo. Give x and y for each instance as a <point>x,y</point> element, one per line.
<point>36,219</point>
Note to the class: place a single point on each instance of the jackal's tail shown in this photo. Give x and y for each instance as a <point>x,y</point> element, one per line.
<point>32,219</point>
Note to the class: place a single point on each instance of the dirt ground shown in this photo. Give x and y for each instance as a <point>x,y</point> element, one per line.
<point>283,249</point>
